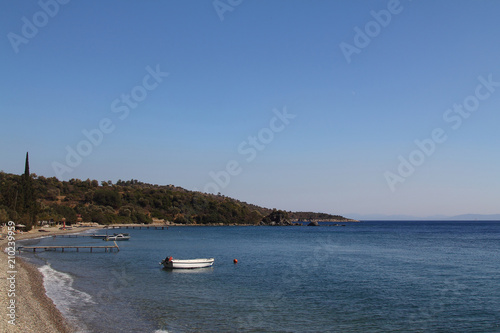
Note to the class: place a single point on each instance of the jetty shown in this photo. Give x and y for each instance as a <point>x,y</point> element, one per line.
<point>71,236</point>
<point>106,248</point>
<point>155,227</point>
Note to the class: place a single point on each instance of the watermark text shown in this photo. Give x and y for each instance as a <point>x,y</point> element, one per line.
<point>454,117</point>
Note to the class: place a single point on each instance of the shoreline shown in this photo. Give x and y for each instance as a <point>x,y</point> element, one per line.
<point>34,310</point>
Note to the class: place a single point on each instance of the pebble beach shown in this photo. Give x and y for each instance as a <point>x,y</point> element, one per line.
<point>23,287</point>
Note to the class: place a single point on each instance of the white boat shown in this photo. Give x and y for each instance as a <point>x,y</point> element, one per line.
<point>118,237</point>
<point>170,262</point>
<point>108,236</point>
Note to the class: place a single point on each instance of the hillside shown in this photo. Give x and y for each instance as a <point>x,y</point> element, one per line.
<point>130,202</point>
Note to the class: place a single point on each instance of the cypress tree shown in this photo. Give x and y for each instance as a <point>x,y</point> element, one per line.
<point>28,208</point>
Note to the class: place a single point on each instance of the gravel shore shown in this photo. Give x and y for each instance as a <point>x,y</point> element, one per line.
<point>34,311</point>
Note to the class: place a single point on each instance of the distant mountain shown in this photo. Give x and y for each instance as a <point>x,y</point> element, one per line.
<point>464,217</point>
<point>472,217</point>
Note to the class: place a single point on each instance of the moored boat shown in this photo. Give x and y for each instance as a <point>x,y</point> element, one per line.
<point>170,262</point>
<point>117,237</point>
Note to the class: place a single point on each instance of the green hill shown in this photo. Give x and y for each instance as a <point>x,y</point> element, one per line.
<point>128,202</point>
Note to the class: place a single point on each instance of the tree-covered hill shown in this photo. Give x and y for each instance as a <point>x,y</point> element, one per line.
<point>310,216</point>
<point>128,202</point>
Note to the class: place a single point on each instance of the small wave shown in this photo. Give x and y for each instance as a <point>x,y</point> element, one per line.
<point>59,287</point>
<point>42,237</point>
<point>89,231</point>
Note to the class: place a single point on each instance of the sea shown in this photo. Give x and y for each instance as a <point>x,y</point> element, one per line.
<point>376,276</point>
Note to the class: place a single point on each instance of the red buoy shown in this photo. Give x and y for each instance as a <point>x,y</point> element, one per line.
<point>235,261</point>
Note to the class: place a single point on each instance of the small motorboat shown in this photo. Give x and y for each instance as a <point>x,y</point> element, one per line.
<point>117,237</point>
<point>107,236</point>
<point>170,262</point>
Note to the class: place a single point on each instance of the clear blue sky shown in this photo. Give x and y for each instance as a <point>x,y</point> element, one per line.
<point>347,118</point>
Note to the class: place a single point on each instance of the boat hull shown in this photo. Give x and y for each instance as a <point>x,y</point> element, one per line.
<point>114,237</point>
<point>117,238</point>
<point>188,264</point>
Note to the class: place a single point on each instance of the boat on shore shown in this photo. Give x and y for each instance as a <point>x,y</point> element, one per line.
<point>170,262</point>
<point>117,237</point>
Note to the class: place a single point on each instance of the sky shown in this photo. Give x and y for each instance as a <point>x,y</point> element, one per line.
<point>343,107</point>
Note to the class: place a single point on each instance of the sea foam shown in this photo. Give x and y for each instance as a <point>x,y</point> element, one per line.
<point>59,287</point>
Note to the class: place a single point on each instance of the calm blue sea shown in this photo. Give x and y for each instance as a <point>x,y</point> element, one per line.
<point>364,277</point>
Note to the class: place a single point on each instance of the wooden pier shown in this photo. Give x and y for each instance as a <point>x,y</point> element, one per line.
<point>137,227</point>
<point>71,236</point>
<point>106,248</point>
<point>145,227</point>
